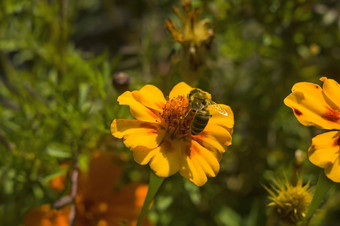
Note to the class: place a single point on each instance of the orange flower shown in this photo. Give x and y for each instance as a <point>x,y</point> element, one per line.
<point>58,183</point>
<point>320,107</point>
<point>45,216</point>
<point>99,201</point>
<point>161,134</point>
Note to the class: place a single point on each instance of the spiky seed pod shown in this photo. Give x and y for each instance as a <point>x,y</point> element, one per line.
<point>289,202</point>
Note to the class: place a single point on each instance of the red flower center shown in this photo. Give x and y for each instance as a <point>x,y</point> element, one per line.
<point>177,117</point>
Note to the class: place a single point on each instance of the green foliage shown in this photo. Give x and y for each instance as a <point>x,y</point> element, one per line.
<point>57,59</point>
<point>53,101</point>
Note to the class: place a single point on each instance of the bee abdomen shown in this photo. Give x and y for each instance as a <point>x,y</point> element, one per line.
<point>199,122</point>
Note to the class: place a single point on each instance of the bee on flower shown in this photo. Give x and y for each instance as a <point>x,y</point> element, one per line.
<point>187,133</point>
<point>320,107</point>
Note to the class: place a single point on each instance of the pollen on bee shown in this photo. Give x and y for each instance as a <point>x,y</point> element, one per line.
<point>177,117</point>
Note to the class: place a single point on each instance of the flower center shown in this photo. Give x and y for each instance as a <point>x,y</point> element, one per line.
<point>177,117</point>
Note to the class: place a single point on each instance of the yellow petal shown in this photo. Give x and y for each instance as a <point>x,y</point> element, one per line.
<point>214,137</point>
<point>181,89</point>
<point>192,172</point>
<point>198,163</point>
<point>217,134</point>
<point>137,109</point>
<point>333,172</point>
<point>220,119</point>
<point>325,153</point>
<point>324,149</point>
<point>143,155</point>
<point>332,90</point>
<point>151,97</point>
<point>167,158</point>
<point>137,133</point>
<point>311,107</point>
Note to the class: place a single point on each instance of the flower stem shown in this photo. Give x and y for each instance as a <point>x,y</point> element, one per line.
<point>322,187</point>
<point>154,183</point>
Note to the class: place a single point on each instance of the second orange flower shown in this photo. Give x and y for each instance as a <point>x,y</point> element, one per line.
<point>320,107</point>
<point>161,133</point>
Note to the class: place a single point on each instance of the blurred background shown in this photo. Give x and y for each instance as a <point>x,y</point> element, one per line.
<point>64,63</point>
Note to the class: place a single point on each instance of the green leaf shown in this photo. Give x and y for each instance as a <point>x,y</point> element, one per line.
<point>54,175</point>
<point>193,191</point>
<point>227,216</point>
<point>82,97</point>
<point>58,152</point>
<point>154,184</point>
<point>322,187</point>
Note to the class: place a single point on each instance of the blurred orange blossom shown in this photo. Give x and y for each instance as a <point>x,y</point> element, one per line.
<point>320,107</point>
<point>99,200</point>
<point>161,134</point>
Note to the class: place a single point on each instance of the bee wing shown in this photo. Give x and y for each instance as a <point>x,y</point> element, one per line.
<point>218,108</point>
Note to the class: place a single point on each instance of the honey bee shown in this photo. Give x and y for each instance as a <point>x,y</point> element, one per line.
<point>199,103</point>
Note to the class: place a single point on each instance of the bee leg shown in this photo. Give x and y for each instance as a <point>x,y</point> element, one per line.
<point>186,115</point>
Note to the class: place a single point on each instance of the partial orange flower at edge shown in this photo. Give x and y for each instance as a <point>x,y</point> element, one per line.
<point>98,202</point>
<point>320,107</point>
<point>161,136</point>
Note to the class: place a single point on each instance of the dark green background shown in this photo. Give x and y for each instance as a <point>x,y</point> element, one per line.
<point>57,59</point>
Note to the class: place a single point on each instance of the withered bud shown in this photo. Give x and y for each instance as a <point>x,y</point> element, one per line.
<point>300,156</point>
<point>186,5</point>
<point>195,36</point>
<point>121,81</point>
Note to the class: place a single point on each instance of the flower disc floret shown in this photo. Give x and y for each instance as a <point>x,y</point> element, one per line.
<point>177,117</point>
